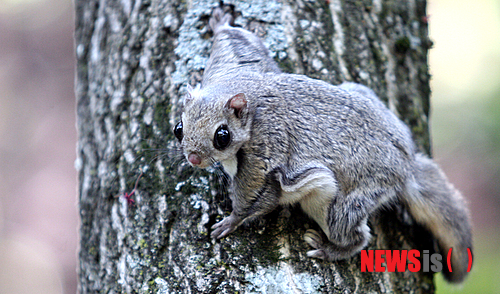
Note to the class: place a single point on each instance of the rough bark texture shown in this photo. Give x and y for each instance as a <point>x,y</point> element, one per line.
<point>134,59</point>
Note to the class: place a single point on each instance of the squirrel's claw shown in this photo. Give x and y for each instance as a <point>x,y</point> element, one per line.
<point>315,240</point>
<point>225,227</point>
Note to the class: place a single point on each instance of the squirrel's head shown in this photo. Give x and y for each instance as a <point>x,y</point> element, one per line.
<point>213,126</point>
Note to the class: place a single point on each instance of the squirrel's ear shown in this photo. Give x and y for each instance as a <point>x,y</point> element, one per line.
<point>189,95</point>
<point>238,102</point>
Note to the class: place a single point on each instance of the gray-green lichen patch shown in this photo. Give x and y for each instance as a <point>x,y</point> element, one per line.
<point>268,12</point>
<point>282,279</point>
<point>192,48</point>
<point>264,10</point>
<point>162,286</point>
<point>276,41</point>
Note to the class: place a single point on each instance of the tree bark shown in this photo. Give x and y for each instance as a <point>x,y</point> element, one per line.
<point>133,59</point>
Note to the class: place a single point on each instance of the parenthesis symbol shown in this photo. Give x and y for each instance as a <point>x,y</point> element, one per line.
<point>448,259</point>
<point>470,259</point>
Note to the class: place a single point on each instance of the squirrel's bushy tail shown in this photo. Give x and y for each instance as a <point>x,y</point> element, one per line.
<point>438,206</point>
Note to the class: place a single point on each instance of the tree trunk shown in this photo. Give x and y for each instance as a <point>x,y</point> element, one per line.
<point>134,57</point>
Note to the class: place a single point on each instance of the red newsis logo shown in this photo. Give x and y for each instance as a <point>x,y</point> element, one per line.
<point>400,260</point>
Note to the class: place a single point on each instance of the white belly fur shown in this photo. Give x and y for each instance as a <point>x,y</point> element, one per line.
<point>230,166</point>
<point>314,195</point>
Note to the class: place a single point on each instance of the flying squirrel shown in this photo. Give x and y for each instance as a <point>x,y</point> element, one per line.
<point>338,151</point>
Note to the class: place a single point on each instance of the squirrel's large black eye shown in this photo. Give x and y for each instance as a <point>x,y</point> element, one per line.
<point>222,137</point>
<point>178,131</point>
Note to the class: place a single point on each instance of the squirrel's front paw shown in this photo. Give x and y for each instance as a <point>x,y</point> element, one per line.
<point>225,227</point>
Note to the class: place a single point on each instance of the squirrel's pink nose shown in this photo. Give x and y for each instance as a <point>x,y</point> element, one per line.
<point>194,159</point>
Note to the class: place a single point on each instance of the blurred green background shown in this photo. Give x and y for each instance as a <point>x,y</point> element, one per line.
<point>38,205</point>
<point>465,120</point>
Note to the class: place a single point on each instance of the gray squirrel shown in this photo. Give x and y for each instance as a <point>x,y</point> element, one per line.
<point>338,151</point>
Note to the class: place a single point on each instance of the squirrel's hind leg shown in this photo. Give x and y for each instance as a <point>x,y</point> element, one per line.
<point>348,231</point>
<point>326,250</point>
